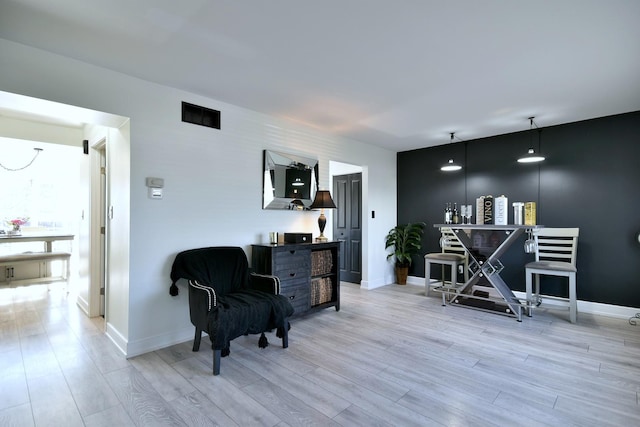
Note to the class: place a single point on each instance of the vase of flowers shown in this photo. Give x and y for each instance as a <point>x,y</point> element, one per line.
<point>16,225</point>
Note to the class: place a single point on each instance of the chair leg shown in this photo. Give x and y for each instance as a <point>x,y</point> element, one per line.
<point>216,362</point>
<point>573,303</point>
<point>528,275</point>
<point>427,278</point>
<point>285,336</point>
<point>196,340</point>
<point>454,274</point>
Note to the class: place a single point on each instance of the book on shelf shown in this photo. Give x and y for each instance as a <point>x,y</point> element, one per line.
<point>480,210</point>
<point>530,213</point>
<point>488,210</point>
<point>500,210</point>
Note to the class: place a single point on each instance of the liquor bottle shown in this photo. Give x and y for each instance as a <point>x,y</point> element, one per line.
<point>446,213</point>
<point>455,218</point>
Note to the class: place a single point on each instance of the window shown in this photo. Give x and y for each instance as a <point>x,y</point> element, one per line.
<point>47,192</point>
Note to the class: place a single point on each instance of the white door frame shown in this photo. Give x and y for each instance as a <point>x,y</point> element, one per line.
<point>97,220</point>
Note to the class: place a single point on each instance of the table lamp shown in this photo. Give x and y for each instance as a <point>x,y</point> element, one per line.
<point>322,200</point>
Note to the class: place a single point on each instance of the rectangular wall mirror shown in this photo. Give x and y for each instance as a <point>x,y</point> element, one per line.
<point>290,181</point>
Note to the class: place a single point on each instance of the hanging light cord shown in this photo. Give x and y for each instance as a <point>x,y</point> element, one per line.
<point>533,123</point>
<point>531,129</point>
<point>465,172</point>
<point>539,172</point>
<point>38,150</point>
<point>453,135</point>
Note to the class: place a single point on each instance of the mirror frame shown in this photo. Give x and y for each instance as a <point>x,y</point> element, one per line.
<point>279,172</point>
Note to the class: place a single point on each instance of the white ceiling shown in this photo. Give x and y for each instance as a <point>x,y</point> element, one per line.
<point>400,74</point>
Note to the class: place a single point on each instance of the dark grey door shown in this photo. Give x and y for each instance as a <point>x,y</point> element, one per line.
<point>347,225</point>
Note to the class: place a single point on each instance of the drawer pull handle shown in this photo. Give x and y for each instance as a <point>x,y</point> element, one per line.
<point>292,297</point>
<point>292,274</point>
<point>292,252</point>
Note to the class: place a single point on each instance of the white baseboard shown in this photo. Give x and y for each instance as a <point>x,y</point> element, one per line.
<point>83,304</point>
<point>117,338</point>
<point>136,348</point>
<point>600,309</point>
<point>366,284</point>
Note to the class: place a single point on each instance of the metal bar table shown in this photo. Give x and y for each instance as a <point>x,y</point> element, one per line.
<point>485,244</point>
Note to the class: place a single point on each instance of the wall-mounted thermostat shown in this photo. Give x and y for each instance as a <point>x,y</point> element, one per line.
<point>155,182</point>
<point>155,187</point>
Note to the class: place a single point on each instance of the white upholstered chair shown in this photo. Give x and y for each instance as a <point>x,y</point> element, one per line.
<point>556,253</point>
<point>453,254</point>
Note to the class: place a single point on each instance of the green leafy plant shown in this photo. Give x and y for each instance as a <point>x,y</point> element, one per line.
<point>406,241</point>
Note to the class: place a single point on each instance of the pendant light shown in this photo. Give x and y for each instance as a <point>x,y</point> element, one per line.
<point>450,165</point>
<point>37,150</point>
<point>531,156</point>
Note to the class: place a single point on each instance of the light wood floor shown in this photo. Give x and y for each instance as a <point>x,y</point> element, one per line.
<point>390,356</point>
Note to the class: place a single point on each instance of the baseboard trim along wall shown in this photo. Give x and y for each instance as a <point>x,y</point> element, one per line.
<point>136,348</point>
<point>83,304</point>
<point>373,284</point>
<point>117,338</point>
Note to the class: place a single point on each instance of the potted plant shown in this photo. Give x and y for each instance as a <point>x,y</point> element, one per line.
<point>406,241</point>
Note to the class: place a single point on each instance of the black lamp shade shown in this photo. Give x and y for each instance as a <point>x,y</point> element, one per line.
<point>322,200</point>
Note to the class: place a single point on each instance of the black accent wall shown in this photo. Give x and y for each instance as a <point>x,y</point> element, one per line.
<point>590,179</point>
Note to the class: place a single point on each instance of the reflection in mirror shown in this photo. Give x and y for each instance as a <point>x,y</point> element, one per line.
<point>290,181</point>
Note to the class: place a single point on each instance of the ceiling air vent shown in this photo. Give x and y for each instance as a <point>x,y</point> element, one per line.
<point>200,115</point>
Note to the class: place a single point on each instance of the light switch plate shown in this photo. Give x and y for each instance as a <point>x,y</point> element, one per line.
<point>155,193</point>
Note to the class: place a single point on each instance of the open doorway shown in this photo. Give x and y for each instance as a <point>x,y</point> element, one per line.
<point>98,259</point>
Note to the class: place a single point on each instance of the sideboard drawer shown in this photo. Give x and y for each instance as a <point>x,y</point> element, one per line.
<point>298,297</point>
<point>291,260</point>
<point>292,272</point>
<point>292,264</point>
<point>287,282</point>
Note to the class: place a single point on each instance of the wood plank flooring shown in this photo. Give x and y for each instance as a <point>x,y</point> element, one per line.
<point>389,357</point>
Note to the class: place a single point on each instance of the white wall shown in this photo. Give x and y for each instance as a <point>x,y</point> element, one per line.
<point>43,132</point>
<point>213,180</point>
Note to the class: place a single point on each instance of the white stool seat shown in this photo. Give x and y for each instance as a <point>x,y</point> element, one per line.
<point>552,265</point>
<point>439,256</point>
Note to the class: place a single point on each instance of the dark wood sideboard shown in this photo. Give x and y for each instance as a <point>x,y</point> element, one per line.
<point>309,272</point>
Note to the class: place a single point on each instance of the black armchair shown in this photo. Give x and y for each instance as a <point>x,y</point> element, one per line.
<point>226,300</point>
